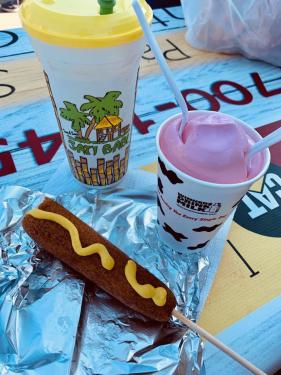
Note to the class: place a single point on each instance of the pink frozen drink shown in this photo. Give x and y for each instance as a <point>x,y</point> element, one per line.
<point>203,175</point>
<point>213,148</point>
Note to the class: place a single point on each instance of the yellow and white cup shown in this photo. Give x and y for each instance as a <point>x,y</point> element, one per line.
<point>91,64</point>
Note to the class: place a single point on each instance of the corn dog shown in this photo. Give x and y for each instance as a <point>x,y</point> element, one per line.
<point>69,239</point>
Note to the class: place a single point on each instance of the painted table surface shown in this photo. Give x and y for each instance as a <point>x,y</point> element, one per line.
<point>244,305</point>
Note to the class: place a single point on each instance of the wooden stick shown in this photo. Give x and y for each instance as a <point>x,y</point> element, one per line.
<point>202,332</point>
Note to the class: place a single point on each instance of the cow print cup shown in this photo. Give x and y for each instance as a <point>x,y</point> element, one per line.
<point>191,211</point>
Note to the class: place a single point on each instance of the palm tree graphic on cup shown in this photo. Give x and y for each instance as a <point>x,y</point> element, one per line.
<point>78,119</point>
<point>92,112</point>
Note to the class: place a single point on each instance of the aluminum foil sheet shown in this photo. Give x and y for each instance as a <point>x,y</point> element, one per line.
<point>53,323</point>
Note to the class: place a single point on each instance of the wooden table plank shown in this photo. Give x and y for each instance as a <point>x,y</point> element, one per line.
<point>25,73</point>
<point>26,77</point>
<point>14,43</point>
<point>9,21</point>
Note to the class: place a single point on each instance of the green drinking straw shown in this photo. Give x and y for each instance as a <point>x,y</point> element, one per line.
<point>106,6</point>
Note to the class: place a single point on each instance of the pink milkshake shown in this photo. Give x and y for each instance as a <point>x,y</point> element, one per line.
<point>213,148</point>
<point>203,175</point>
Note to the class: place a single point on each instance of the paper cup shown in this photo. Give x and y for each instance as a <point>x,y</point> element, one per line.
<point>191,211</point>
<point>93,95</point>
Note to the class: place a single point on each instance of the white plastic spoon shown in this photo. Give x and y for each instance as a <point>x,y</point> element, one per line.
<point>163,65</point>
<point>267,141</point>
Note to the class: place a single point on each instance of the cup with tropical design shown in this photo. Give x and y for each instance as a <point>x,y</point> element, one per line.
<point>91,64</point>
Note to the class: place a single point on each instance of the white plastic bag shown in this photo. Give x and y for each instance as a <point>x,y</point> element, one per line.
<point>250,27</point>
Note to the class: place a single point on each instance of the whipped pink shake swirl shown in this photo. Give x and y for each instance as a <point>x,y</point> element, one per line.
<point>213,148</point>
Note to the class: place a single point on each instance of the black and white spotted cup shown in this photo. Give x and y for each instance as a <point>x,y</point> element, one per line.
<point>191,211</point>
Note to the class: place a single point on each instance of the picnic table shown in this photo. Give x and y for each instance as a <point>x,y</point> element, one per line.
<point>244,305</point>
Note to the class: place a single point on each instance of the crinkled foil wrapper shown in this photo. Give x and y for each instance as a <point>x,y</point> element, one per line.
<point>53,323</point>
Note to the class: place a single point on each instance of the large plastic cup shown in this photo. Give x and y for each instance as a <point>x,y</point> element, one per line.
<point>91,64</point>
<point>191,211</point>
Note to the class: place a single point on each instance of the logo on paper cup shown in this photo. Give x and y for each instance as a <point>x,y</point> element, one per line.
<point>199,207</point>
<point>191,229</point>
<point>95,136</point>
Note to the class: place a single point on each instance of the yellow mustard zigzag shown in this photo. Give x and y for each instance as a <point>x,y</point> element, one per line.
<point>97,248</point>
<point>158,295</point>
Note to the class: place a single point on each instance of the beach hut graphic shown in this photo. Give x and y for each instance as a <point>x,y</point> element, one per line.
<point>109,128</point>
<point>99,114</point>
